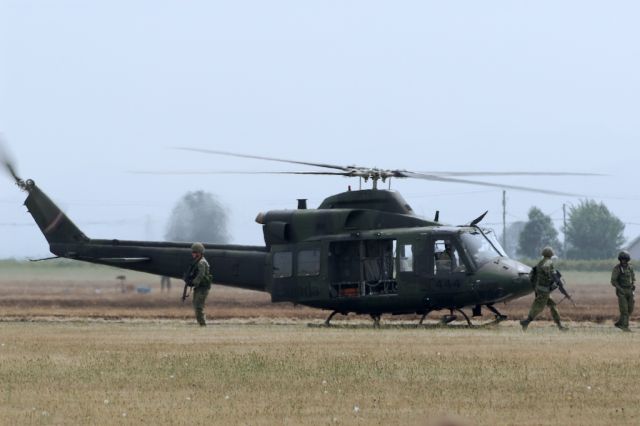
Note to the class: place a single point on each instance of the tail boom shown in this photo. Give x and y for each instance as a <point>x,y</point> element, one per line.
<point>232,265</point>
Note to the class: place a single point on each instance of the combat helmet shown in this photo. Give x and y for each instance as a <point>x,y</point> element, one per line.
<point>624,256</point>
<point>547,252</point>
<point>197,248</point>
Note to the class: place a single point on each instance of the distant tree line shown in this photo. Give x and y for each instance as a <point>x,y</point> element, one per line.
<point>592,232</point>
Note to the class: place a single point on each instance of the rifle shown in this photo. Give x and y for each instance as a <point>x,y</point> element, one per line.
<point>558,282</point>
<point>188,282</point>
<point>185,290</point>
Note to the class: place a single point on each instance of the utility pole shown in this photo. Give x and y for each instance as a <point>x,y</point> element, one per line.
<point>504,218</point>
<point>564,229</point>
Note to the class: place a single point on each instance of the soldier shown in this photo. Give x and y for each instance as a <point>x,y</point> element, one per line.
<point>165,283</point>
<point>623,279</point>
<point>200,278</point>
<point>543,282</point>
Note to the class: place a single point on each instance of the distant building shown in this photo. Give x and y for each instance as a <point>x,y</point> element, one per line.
<point>634,248</point>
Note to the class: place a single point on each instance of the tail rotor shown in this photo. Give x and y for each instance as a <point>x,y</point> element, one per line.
<point>9,164</point>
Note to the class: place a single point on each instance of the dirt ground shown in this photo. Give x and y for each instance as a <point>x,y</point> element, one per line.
<point>88,293</point>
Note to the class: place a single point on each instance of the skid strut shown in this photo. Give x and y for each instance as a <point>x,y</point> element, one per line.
<point>466,317</point>
<point>499,316</point>
<point>424,316</point>
<point>376,320</point>
<point>328,320</point>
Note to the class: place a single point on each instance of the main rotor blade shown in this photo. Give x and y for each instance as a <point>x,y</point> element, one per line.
<point>233,172</point>
<point>375,173</point>
<point>258,157</point>
<point>510,174</point>
<point>403,173</point>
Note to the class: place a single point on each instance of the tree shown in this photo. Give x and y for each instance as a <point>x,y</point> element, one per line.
<point>512,240</point>
<point>537,233</point>
<point>198,216</point>
<point>593,232</point>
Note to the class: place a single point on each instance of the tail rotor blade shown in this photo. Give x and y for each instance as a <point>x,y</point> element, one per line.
<point>6,161</point>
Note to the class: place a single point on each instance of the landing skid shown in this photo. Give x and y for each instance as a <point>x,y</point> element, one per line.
<point>444,321</point>
<point>447,319</point>
<point>327,322</point>
<point>402,326</point>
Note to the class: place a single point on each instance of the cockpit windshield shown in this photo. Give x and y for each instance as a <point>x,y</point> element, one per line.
<point>482,246</point>
<point>491,236</point>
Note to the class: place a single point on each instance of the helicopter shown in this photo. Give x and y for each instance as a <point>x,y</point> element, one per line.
<point>361,251</point>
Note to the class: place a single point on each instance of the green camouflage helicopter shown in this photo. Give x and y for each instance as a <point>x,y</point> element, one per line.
<point>361,251</point>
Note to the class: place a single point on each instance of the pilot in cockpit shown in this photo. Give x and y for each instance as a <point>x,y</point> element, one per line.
<point>446,260</point>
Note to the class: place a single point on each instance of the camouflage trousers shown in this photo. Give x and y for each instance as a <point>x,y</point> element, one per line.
<point>199,298</point>
<point>543,298</point>
<point>625,303</point>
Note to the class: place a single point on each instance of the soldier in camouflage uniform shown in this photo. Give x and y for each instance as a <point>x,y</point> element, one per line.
<point>543,282</point>
<point>200,279</point>
<point>623,279</point>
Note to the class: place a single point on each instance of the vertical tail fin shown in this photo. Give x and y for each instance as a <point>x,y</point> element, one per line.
<point>54,224</point>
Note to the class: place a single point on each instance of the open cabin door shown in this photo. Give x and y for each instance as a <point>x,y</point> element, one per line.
<point>362,268</point>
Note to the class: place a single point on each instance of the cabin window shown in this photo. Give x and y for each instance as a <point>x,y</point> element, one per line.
<point>308,262</point>
<point>282,264</point>
<point>446,258</point>
<point>405,257</point>
<point>394,253</point>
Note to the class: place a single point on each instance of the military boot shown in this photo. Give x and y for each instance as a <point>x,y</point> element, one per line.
<point>562,327</point>
<point>622,327</point>
<point>525,323</point>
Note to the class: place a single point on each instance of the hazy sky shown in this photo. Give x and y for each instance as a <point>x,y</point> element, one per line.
<point>91,90</point>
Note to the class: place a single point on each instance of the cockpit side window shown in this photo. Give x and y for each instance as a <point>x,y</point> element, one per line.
<point>446,258</point>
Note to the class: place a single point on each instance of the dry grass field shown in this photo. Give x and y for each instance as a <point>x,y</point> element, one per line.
<point>168,372</point>
<point>74,349</point>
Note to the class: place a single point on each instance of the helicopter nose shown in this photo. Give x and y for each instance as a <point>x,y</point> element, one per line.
<point>521,268</point>
<point>522,278</point>
<point>519,273</point>
<point>505,278</point>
